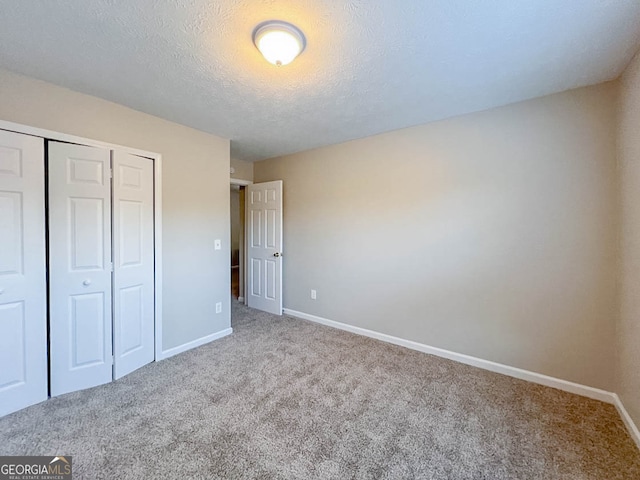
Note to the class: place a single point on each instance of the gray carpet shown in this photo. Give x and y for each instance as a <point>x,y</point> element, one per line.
<point>285,398</point>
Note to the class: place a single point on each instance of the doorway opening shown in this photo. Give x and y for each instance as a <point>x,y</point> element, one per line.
<point>237,197</point>
<point>237,262</point>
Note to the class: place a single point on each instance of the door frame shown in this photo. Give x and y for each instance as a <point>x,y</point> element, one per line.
<point>157,205</point>
<point>243,183</point>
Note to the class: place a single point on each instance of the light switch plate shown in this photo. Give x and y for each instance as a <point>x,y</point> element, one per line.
<point>218,244</point>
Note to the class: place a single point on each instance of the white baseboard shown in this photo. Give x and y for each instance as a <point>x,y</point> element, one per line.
<point>534,377</point>
<point>628,421</point>
<point>195,343</point>
<point>571,387</point>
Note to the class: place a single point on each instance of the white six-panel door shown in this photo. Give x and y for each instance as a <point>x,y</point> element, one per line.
<point>133,254</point>
<point>264,246</point>
<point>79,267</point>
<point>23,321</point>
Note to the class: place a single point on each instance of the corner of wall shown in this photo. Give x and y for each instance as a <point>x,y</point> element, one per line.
<point>618,286</point>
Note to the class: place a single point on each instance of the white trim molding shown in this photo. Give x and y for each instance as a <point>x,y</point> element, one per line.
<point>571,387</point>
<point>157,236</point>
<point>240,182</point>
<point>195,343</point>
<point>628,421</point>
<point>534,377</point>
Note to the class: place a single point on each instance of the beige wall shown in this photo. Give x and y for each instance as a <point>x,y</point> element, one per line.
<point>243,170</point>
<point>628,377</point>
<point>491,234</point>
<point>195,193</point>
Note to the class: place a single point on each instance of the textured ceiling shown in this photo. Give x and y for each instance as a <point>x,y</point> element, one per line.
<point>370,65</point>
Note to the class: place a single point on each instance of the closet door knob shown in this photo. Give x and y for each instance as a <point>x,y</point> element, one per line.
<point>87,282</point>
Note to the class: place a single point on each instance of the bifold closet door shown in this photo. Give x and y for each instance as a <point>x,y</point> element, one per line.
<point>23,320</point>
<point>133,256</point>
<point>80,321</point>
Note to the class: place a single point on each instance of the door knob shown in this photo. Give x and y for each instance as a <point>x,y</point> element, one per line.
<point>277,254</point>
<point>87,282</point>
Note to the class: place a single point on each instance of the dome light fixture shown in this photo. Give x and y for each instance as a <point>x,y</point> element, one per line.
<point>279,42</point>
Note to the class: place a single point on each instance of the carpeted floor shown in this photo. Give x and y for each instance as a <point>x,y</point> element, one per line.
<point>285,398</point>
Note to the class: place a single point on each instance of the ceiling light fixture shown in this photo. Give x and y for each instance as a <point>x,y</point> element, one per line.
<point>279,42</point>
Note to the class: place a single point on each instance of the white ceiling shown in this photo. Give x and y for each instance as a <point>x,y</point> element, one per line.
<point>370,65</point>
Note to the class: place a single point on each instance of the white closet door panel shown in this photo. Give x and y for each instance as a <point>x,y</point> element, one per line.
<point>133,254</point>
<point>23,321</point>
<point>79,267</point>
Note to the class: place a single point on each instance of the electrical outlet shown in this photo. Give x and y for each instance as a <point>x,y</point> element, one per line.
<point>219,307</point>
<point>218,244</point>
<point>313,294</point>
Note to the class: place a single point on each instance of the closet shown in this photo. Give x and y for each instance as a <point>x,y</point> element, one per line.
<point>77,258</point>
